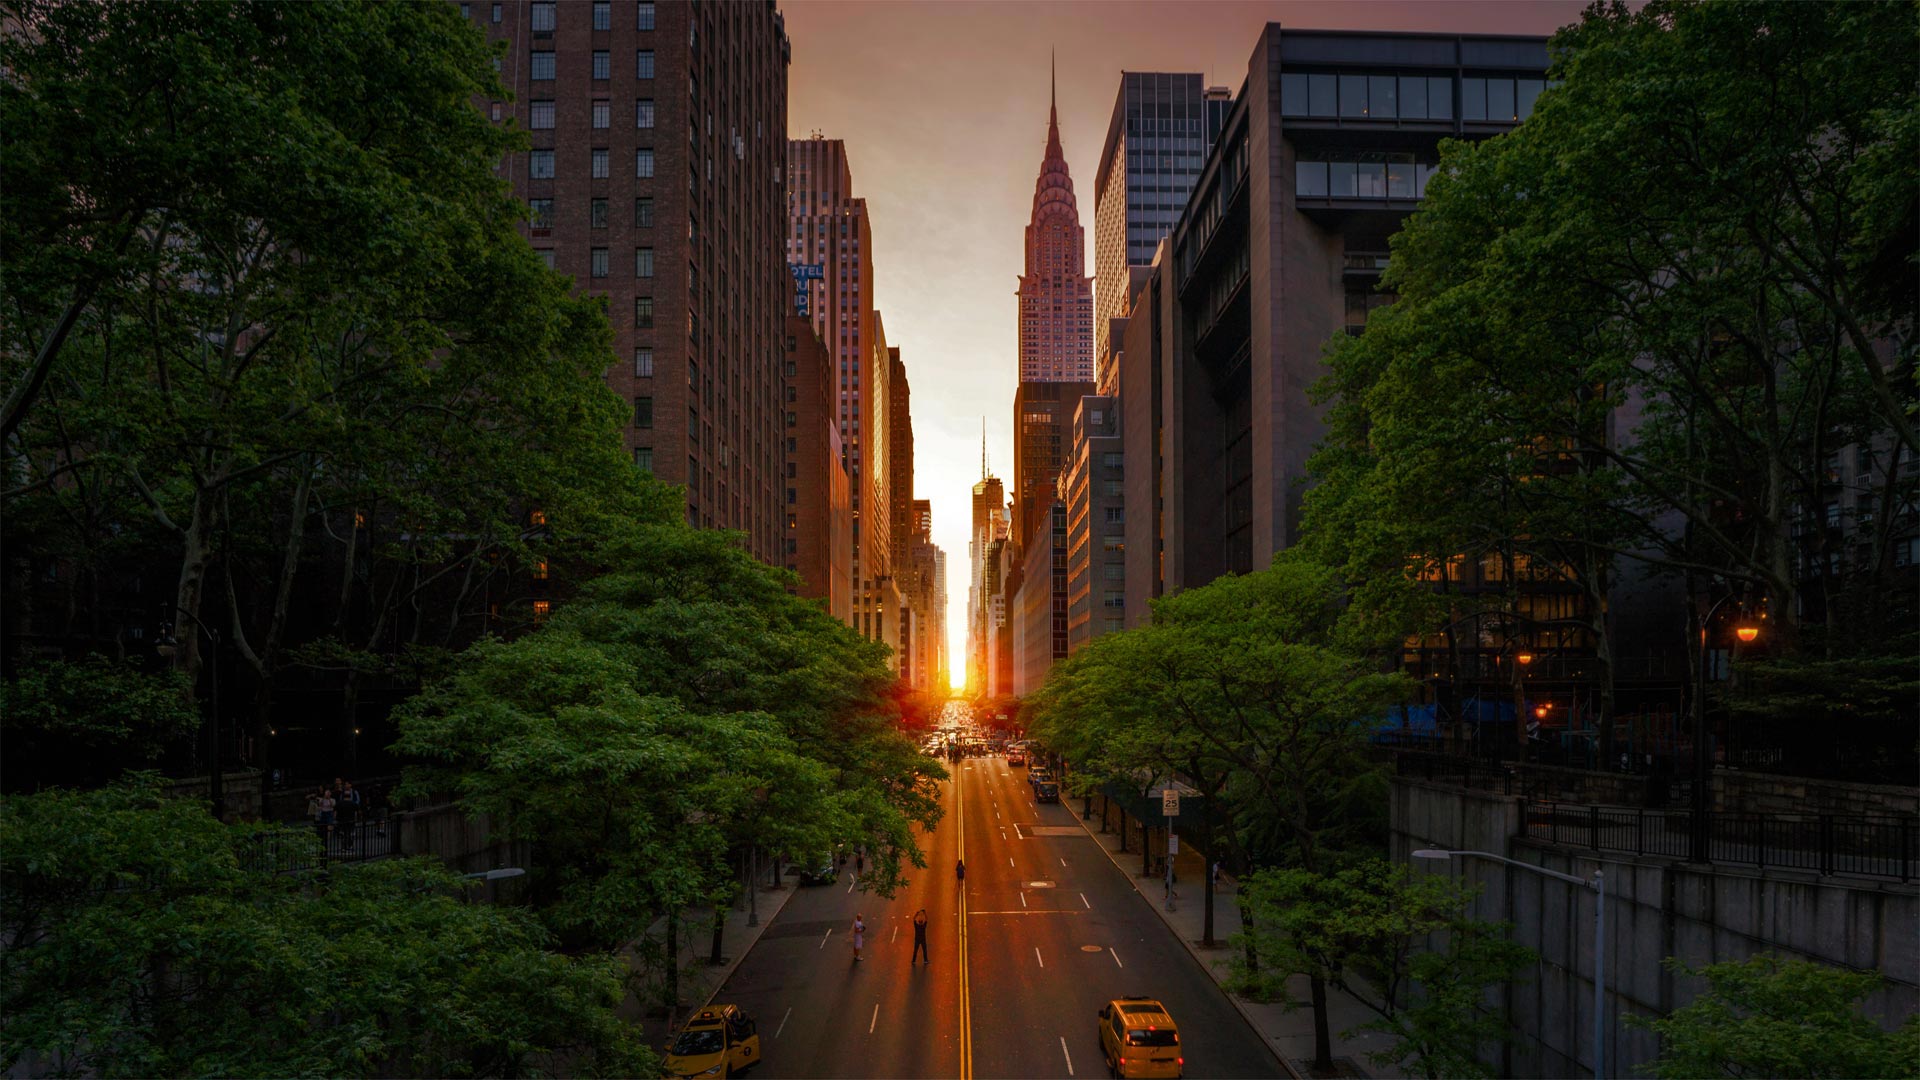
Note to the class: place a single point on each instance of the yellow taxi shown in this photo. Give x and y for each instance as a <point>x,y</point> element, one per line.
<point>1138,1038</point>
<point>719,1041</point>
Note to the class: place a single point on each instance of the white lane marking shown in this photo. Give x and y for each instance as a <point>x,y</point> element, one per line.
<point>1116,957</point>
<point>1036,956</point>
<point>1083,899</point>
<point>1023,899</point>
<point>783,1024</point>
<point>1063,862</point>
<point>851,882</point>
<point>825,936</point>
<point>1009,860</point>
<point>896,933</point>
<point>1063,1050</point>
<point>876,1019</point>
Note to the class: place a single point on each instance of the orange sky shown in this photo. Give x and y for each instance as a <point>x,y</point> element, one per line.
<point>943,106</point>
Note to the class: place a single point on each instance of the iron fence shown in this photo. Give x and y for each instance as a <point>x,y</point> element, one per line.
<point>1887,847</point>
<point>293,848</point>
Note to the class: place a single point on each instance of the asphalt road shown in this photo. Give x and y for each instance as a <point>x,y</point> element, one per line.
<point>1052,931</point>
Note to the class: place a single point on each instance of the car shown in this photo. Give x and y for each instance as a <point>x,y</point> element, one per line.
<point>1046,791</point>
<point>719,1041</point>
<point>1139,1038</point>
<point>819,871</point>
<point>1016,760</point>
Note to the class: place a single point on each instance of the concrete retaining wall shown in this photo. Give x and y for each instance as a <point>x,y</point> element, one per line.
<point>1655,909</point>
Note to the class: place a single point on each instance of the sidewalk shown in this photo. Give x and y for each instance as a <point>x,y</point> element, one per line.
<point>1288,1033</point>
<point>700,980</point>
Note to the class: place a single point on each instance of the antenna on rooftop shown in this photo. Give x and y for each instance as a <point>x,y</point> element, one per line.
<point>984,470</point>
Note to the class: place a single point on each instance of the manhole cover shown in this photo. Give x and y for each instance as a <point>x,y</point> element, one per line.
<point>1039,884</point>
<point>1091,948</point>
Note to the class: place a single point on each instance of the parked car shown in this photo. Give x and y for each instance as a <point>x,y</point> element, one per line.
<point>1046,791</point>
<point>820,870</point>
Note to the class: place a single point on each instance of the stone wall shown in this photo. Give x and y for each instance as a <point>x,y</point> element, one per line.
<point>1655,909</point>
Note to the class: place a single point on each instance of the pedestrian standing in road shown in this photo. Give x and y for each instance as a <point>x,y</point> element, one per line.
<point>859,935</point>
<point>959,870</point>
<point>920,937</point>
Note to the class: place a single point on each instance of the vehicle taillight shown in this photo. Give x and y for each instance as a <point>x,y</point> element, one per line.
<point>1180,1061</point>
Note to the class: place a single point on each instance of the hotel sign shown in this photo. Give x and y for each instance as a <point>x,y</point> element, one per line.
<point>803,275</point>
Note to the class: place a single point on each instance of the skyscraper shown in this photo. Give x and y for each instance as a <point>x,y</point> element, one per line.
<point>656,130</point>
<point>1056,295</point>
<point>1162,128</point>
<point>989,528</point>
<point>829,246</point>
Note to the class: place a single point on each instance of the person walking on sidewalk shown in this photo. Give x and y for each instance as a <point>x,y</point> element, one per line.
<point>920,938</point>
<point>859,935</point>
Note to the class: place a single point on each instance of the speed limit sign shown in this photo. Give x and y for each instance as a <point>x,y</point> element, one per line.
<point>1169,803</point>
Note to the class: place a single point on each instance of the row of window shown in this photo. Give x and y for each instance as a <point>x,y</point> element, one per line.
<point>545,14</point>
<point>541,114</point>
<point>1362,175</point>
<point>543,65</point>
<point>541,215</point>
<point>597,259</point>
<point>1407,97</point>
<point>540,164</point>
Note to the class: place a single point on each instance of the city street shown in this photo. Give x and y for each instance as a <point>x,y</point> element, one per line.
<point>1046,932</point>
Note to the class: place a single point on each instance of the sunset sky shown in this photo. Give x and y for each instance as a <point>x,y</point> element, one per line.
<point>943,106</point>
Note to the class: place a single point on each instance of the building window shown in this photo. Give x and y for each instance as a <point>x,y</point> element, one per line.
<point>643,113</point>
<point>643,313</point>
<point>540,213</point>
<point>643,213</point>
<point>603,14</point>
<point>496,13</point>
<point>793,419</point>
<point>643,412</point>
<point>643,361</point>
<point>643,64</point>
<point>603,114</point>
<point>597,213</point>
<point>540,116</point>
<point>1115,515</point>
<point>543,67</point>
<point>598,262</point>
<point>643,458</point>
<point>600,164</point>
<point>546,256</point>
<point>643,14</point>
<point>466,11</point>
<point>602,64</point>
<point>1114,572</point>
<point>643,262</point>
<point>543,17</point>
<point>496,112</point>
<point>793,496</point>
<point>540,164</point>
<point>643,163</point>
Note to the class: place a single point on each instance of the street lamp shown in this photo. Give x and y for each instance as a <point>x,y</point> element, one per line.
<point>216,786</point>
<point>1746,631</point>
<point>1598,883</point>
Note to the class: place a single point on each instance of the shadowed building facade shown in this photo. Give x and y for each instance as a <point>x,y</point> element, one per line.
<point>658,150</point>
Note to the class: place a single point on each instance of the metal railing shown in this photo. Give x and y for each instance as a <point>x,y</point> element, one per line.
<point>1886,847</point>
<point>294,848</point>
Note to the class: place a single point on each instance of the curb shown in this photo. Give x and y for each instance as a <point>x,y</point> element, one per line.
<point>766,920</point>
<point>1192,951</point>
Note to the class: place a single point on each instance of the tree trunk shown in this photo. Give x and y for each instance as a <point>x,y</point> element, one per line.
<point>1322,1038</point>
<point>719,933</point>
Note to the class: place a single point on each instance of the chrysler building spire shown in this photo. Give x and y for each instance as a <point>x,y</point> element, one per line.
<point>1056,295</point>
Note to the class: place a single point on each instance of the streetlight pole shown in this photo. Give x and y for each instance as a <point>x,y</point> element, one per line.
<point>1700,850</point>
<point>1598,883</point>
<point>216,785</point>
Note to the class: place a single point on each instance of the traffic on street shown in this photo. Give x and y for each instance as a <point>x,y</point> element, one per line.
<point>1032,933</point>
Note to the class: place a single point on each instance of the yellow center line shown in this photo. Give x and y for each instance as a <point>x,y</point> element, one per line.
<point>966,991</point>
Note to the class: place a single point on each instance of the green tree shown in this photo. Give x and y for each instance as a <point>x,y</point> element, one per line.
<point>1260,685</point>
<point>145,939</point>
<point>1367,930</point>
<point>1765,1016</point>
<point>683,706</point>
<point>67,722</point>
<point>271,321</point>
